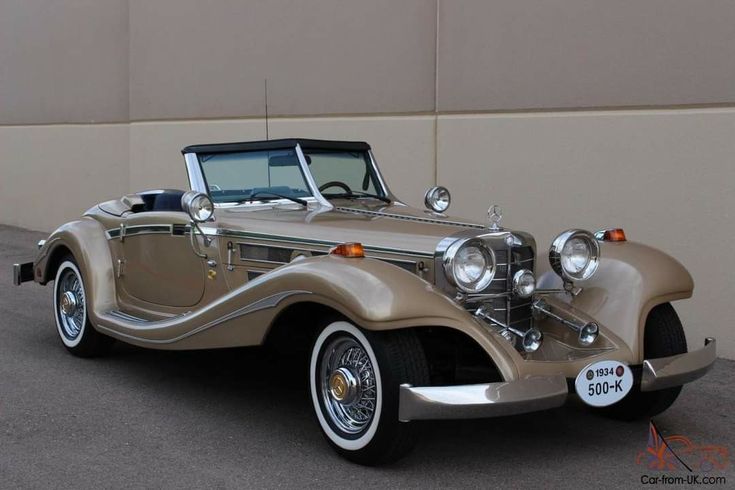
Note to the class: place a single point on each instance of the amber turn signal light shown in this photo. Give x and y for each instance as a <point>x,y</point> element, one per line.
<point>350,250</point>
<point>612,235</point>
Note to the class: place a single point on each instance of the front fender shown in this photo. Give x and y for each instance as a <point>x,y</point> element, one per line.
<point>632,278</point>
<point>380,296</point>
<point>371,293</point>
<point>85,239</point>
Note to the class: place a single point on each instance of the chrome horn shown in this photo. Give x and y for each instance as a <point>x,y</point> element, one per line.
<point>586,332</point>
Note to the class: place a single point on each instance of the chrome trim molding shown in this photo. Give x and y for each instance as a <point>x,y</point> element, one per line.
<point>127,317</point>
<point>224,232</point>
<point>310,179</point>
<point>194,171</point>
<point>666,372</point>
<point>16,275</point>
<point>383,214</point>
<point>386,191</point>
<point>126,231</point>
<point>482,400</point>
<point>262,304</point>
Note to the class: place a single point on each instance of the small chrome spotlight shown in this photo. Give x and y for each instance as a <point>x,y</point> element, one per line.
<point>532,340</point>
<point>524,283</point>
<point>588,333</point>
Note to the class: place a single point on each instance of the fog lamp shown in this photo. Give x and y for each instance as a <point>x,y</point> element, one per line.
<point>532,340</point>
<point>588,333</point>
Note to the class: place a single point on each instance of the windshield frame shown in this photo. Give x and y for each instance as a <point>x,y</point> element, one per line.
<point>198,182</point>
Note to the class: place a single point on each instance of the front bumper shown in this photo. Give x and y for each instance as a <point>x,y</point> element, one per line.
<point>536,393</point>
<point>666,372</point>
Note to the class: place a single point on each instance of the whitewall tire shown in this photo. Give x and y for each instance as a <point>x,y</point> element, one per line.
<point>354,380</point>
<point>71,315</point>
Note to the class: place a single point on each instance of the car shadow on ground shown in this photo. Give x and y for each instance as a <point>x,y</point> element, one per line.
<point>257,382</point>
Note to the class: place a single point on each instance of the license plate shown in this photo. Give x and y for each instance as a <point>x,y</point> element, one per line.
<point>603,383</point>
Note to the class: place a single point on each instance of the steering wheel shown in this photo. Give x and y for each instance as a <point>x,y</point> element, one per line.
<point>336,183</point>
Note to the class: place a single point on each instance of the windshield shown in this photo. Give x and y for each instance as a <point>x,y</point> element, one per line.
<point>342,172</point>
<point>272,174</point>
<point>257,175</point>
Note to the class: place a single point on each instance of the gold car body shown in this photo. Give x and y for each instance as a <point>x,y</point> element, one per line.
<point>153,280</point>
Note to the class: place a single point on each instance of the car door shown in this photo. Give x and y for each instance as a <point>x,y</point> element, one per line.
<point>157,263</point>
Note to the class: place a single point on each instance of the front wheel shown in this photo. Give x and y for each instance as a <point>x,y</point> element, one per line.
<point>663,337</point>
<point>355,378</point>
<point>70,311</point>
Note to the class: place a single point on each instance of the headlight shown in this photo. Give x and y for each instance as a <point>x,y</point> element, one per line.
<point>437,199</point>
<point>575,255</point>
<point>470,265</point>
<point>198,205</point>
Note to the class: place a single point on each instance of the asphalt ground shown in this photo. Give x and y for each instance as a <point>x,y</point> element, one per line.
<point>241,418</point>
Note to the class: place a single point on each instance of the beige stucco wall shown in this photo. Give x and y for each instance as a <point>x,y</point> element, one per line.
<point>193,59</point>
<point>63,61</point>
<point>51,174</point>
<point>520,54</point>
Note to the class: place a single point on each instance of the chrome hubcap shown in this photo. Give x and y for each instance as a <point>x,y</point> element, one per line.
<point>343,385</point>
<point>68,303</point>
<point>348,388</point>
<point>72,311</point>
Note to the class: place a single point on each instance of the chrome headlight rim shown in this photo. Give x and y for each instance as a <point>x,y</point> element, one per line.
<point>438,199</point>
<point>450,262</point>
<point>556,255</point>
<point>198,206</point>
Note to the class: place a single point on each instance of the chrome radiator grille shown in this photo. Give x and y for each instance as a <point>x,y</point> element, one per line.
<point>510,310</point>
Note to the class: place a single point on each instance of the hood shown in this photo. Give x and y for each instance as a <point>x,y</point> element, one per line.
<point>395,226</point>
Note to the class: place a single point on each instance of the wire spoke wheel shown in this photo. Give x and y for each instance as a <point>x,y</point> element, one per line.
<point>71,304</point>
<point>348,386</point>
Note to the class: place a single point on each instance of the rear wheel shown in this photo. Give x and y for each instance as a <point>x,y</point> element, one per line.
<point>355,378</point>
<point>70,311</point>
<point>663,337</point>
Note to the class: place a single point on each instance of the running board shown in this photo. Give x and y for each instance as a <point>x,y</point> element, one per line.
<point>127,317</point>
<point>173,329</point>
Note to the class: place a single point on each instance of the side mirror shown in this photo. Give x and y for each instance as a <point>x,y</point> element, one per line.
<point>437,199</point>
<point>198,205</point>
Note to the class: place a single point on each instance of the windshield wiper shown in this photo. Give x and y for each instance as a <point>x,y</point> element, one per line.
<point>356,194</point>
<point>272,196</point>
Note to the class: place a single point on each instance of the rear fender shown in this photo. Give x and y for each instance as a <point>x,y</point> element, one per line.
<point>85,239</point>
<point>632,278</point>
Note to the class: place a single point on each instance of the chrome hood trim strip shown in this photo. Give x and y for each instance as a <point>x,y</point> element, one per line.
<point>404,217</point>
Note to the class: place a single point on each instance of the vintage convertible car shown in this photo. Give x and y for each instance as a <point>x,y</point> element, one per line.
<point>406,314</point>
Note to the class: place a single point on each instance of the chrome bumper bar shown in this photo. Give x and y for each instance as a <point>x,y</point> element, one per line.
<point>22,273</point>
<point>666,372</point>
<point>482,400</point>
